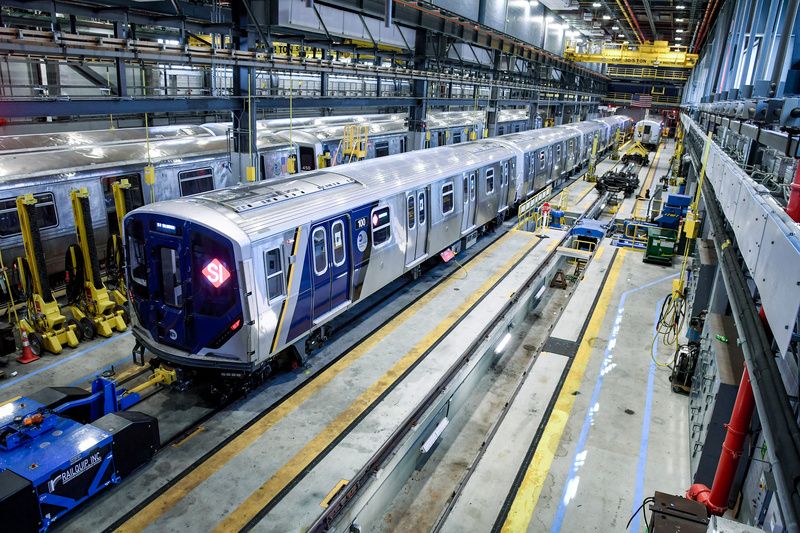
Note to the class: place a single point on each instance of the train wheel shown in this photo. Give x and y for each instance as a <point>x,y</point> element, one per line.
<point>87,329</point>
<point>78,329</point>
<point>36,343</point>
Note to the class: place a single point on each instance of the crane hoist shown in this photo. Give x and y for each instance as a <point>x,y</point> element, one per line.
<point>45,326</point>
<point>89,299</point>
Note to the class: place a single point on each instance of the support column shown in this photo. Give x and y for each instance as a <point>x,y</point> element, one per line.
<point>245,148</point>
<point>419,111</point>
<point>122,75</point>
<point>491,108</point>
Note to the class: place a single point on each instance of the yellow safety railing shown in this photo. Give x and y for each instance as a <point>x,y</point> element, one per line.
<point>645,209</point>
<point>648,73</point>
<point>627,99</point>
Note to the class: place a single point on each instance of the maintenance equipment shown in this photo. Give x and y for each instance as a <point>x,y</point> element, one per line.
<point>660,245</point>
<point>115,249</point>
<point>673,211</point>
<point>45,326</point>
<point>638,154</point>
<point>89,300</point>
<point>625,181</point>
<point>62,445</point>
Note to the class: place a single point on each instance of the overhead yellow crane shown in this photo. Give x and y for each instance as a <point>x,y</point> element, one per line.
<point>657,54</point>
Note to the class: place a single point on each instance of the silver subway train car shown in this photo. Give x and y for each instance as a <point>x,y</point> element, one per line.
<point>648,132</point>
<point>228,279</point>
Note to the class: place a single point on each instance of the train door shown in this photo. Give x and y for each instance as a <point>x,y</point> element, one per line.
<point>166,266</point>
<point>468,215</point>
<point>416,225</point>
<point>502,199</point>
<point>331,265</point>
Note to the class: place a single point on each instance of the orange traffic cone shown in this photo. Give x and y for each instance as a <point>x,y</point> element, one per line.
<point>27,354</point>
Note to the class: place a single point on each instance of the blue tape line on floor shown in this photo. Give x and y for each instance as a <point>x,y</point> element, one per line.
<point>648,408</point>
<point>579,457</point>
<point>63,360</point>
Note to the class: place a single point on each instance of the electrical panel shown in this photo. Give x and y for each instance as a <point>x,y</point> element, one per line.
<point>714,387</point>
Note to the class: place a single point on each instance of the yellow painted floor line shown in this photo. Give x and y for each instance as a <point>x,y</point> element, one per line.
<point>152,511</point>
<point>652,172</point>
<point>240,516</point>
<point>521,512</point>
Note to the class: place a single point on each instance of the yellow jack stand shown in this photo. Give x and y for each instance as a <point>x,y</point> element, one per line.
<point>46,327</point>
<point>96,304</point>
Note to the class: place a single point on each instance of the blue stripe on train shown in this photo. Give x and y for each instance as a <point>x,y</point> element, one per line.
<point>302,320</point>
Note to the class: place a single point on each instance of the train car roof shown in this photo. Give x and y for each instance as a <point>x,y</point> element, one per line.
<point>533,139</point>
<point>73,139</point>
<point>450,119</point>
<point>304,123</point>
<point>336,132</point>
<point>510,115</point>
<point>265,209</point>
<point>26,165</point>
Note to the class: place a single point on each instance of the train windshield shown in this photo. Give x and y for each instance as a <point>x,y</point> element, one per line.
<point>183,281</point>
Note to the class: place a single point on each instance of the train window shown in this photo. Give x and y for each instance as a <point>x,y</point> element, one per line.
<point>505,174</point>
<point>196,181</point>
<point>411,212</point>
<point>490,181</point>
<point>541,160</point>
<point>137,263</point>
<point>647,129</point>
<point>382,149</point>
<point>457,137</point>
<point>171,287</point>
<point>274,269</point>
<point>472,187</point>
<point>381,226</point>
<point>500,130</point>
<point>46,214</point>
<point>466,190</point>
<point>307,158</point>
<point>558,152</point>
<point>402,145</point>
<point>421,207</point>
<point>448,202</point>
<point>320,251</point>
<point>337,238</point>
<point>516,128</point>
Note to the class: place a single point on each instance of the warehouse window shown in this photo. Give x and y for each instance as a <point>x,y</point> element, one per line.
<point>196,181</point>
<point>490,181</point>
<point>448,202</point>
<point>46,214</point>
<point>274,269</point>
<point>411,211</point>
<point>320,251</point>
<point>381,226</point>
<point>382,149</point>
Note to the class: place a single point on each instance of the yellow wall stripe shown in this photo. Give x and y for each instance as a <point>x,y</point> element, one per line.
<point>521,512</point>
<point>152,511</point>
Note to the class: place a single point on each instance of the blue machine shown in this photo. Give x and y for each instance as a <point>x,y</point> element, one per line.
<point>556,216</point>
<point>52,459</point>
<point>673,210</point>
<point>590,228</point>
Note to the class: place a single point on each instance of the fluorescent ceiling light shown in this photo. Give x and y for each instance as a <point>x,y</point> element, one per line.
<point>621,35</point>
<point>596,4</point>
<point>679,30</point>
<point>679,20</point>
<point>615,27</point>
<point>678,39</point>
<point>606,17</point>
<point>681,6</point>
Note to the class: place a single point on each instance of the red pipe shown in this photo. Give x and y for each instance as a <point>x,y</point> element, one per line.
<point>716,499</point>
<point>793,207</point>
<point>636,22</point>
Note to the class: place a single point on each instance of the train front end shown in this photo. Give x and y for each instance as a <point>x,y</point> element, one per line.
<point>186,288</point>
